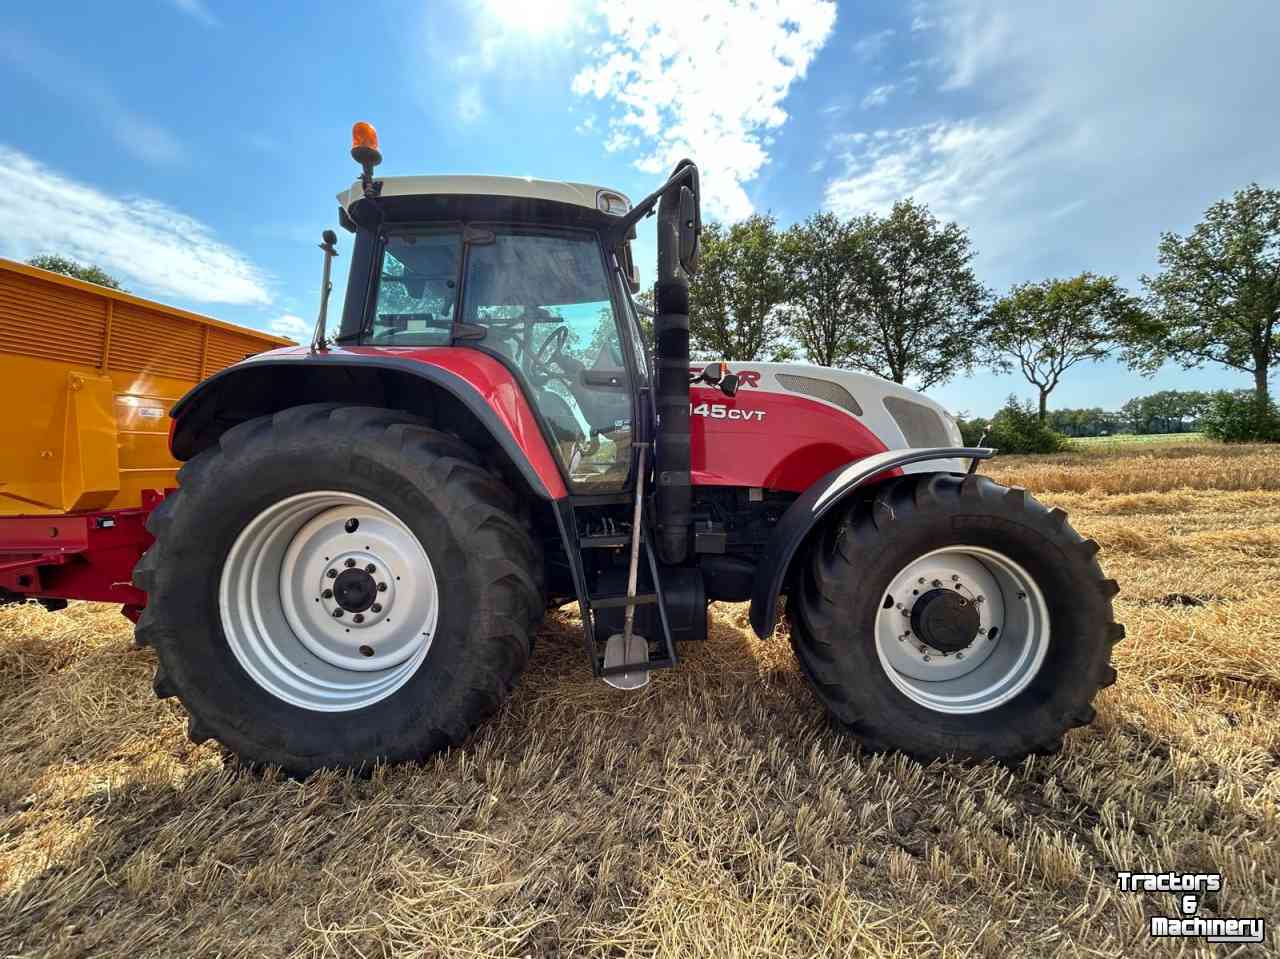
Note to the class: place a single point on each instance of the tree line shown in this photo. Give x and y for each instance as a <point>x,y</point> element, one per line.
<point>896,295</point>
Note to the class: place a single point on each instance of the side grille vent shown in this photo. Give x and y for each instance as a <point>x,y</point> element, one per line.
<point>822,390</point>
<point>920,425</point>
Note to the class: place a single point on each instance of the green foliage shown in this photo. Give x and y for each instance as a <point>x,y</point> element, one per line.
<point>1217,297</point>
<point>819,258</point>
<point>1017,428</point>
<point>1169,411</point>
<point>1238,416</point>
<point>733,298</point>
<point>1093,421</point>
<point>973,430</point>
<point>918,298</point>
<point>90,273</point>
<point>1043,329</point>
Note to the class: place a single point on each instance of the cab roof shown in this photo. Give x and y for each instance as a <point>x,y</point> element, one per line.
<point>515,187</point>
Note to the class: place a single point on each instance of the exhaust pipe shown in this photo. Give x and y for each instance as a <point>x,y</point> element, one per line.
<point>679,223</point>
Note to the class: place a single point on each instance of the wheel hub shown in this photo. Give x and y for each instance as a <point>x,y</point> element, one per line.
<point>355,590</point>
<point>945,620</point>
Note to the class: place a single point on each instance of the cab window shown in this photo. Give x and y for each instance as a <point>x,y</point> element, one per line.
<point>544,302</point>
<point>417,289</point>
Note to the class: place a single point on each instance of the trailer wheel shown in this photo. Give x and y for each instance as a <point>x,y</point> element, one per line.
<point>949,615</point>
<point>334,586</point>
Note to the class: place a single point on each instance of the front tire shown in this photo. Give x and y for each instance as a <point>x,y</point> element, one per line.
<point>949,615</point>
<point>334,586</point>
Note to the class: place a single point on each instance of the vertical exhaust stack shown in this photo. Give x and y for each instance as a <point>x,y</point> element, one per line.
<point>679,223</point>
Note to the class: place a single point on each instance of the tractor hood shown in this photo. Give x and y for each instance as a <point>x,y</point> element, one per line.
<point>898,415</point>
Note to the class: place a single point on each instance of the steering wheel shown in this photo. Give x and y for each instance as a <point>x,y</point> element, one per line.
<point>551,347</point>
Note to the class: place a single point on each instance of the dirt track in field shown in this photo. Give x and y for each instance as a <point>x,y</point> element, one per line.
<point>714,813</point>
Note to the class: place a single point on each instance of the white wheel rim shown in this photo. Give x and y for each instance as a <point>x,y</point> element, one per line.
<point>1006,651</point>
<point>328,601</point>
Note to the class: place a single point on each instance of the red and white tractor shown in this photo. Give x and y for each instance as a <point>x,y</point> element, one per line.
<point>368,530</point>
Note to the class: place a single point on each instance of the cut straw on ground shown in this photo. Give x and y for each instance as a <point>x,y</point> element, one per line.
<point>714,813</point>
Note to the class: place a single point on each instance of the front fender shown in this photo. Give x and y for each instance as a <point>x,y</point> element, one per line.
<point>814,503</point>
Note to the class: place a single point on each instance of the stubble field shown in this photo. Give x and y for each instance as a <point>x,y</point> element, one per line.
<point>715,813</point>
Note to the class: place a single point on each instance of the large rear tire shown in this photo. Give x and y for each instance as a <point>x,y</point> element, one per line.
<point>948,615</point>
<point>334,586</point>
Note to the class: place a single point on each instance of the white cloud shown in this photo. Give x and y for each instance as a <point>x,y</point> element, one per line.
<point>879,96</point>
<point>79,87</point>
<point>198,10</point>
<point>870,47</point>
<point>704,79</point>
<point>1073,145</point>
<point>294,327</point>
<point>150,246</point>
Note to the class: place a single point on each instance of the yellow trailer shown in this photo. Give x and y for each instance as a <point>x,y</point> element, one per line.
<point>91,374</point>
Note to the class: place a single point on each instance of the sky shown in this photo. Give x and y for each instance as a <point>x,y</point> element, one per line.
<point>193,148</point>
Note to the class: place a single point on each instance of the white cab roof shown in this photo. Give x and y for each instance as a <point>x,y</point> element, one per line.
<point>578,194</point>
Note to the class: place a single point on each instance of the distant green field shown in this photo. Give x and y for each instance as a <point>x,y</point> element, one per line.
<point>1138,439</point>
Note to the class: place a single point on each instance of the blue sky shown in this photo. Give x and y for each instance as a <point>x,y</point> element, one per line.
<point>193,147</point>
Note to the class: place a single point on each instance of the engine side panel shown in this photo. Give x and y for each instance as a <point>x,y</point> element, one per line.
<point>790,424</point>
<point>771,439</point>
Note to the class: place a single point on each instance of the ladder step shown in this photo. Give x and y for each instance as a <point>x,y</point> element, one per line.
<point>603,542</point>
<point>613,602</point>
<point>663,663</point>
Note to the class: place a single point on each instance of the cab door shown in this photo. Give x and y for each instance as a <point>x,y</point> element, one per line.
<point>542,301</point>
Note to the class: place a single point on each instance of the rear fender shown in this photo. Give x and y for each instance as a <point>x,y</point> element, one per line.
<point>416,381</point>
<point>807,511</point>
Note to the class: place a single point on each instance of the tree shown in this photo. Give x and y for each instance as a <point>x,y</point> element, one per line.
<point>918,299</point>
<point>1048,327</point>
<point>1217,297</point>
<point>90,274</point>
<point>734,296</point>
<point>819,260</point>
<point>1169,411</point>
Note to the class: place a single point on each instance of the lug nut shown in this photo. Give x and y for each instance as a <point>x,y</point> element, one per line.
<point>955,577</point>
<point>327,594</point>
<point>980,600</point>
<point>959,655</point>
<point>358,618</point>
<point>926,659</point>
<point>920,581</point>
<point>375,608</point>
<point>349,563</point>
<point>371,569</point>
<point>332,574</point>
<point>338,614</point>
<point>937,583</point>
<point>382,587</point>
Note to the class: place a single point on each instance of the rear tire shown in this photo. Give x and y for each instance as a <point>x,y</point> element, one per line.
<point>862,648</point>
<point>292,693</point>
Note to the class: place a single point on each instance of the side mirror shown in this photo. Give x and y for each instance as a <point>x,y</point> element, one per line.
<point>689,230</point>
<point>729,384</point>
<point>713,373</point>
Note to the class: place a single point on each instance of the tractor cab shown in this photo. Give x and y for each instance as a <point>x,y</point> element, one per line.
<point>531,272</point>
